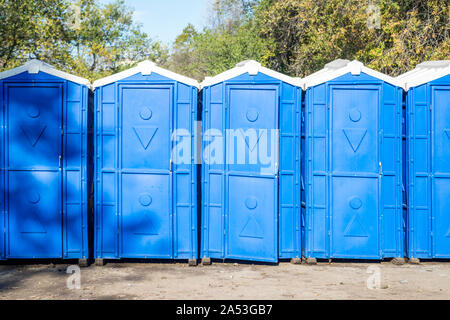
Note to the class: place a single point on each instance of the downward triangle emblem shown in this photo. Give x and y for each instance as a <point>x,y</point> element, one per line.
<point>251,144</point>
<point>355,137</point>
<point>145,135</point>
<point>33,133</point>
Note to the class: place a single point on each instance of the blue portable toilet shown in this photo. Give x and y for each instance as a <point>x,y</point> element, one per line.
<point>251,165</point>
<point>428,159</point>
<point>145,176</point>
<point>353,164</point>
<point>45,164</point>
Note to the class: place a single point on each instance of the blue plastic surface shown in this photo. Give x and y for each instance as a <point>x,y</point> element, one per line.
<point>250,212</point>
<point>44,160</point>
<point>353,169</point>
<point>145,201</point>
<point>428,163</point>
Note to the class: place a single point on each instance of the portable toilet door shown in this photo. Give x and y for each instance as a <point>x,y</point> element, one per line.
<point>145,188</point>
<point>428,159</point>
<point>353,125</point>
<point>44,173</point>
<point>251,164</point>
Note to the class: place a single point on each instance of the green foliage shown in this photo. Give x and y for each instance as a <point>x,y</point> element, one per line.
<point>233,36</point>
<point>299,37</point>
<point>296,37</point>
<point>92,41</point>
<point>108,40</point>
<point>309,33</point>
<point>32,29</point>
<point>411,32</point>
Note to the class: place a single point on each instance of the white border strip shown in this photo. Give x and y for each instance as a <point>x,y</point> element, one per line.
<point>425,72</point>
<point>252,68</point>
<point>340,67</point>
<point>36,66</point>
<point>146,68</point>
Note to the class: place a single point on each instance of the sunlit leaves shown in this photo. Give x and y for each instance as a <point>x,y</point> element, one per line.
<point>309,33</point>
<point>105,41</point>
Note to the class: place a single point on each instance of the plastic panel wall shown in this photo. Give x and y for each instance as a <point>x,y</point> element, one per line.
<point>109,237</point>
<point>419,169</point>
<point>74,166</point>
<point>388,225</point>
<point>428,186</point>
<point>214,216</point>
<point>2,179</point>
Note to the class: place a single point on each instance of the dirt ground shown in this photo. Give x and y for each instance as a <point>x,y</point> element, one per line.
<point>228,281</point>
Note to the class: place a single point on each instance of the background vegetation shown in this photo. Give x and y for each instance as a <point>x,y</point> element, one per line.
<point>296,37</point>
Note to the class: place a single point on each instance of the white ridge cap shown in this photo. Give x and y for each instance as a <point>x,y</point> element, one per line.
<point>425,72</point>
<point>145,68</point>
<point>251,67</point>
<point>337,64</point>
<point>340,67</point>
<point>434,64</point>
<point>35,66</point>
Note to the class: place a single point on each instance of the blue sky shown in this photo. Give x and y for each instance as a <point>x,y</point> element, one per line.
<point>164,20</point>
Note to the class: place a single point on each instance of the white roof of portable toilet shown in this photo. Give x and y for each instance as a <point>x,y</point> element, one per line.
<point>425,72</point>
<point>35,66</point>
<point>146,68</point>
<point>340,67</point>
<point>252,68</point>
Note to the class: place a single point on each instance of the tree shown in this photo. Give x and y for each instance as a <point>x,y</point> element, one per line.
<point>411,32</point>
<point>296,37</point>
<point>185,59</point>
<point>108,40</point>
<point>83,37</point>
<point>33,29</point>
<point>309,33</point>
<point>229,15</point>
<point>231,37</point>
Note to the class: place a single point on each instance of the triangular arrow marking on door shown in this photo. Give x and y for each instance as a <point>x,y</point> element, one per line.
<point>33,133</point>
<point>32,223</point>
<point>252,229</point>
<point>251,144</point>
<point>448,234</point>
<point>447,132</point>
<point>355,137</point>
<point>355,228</point>
<point>145,135</point>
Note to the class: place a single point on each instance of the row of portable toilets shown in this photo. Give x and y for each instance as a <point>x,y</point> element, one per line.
<point>347,163</point>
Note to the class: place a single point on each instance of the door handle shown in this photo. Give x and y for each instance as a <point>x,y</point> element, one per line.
<point>381,169</point>
<point>59,162</point>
